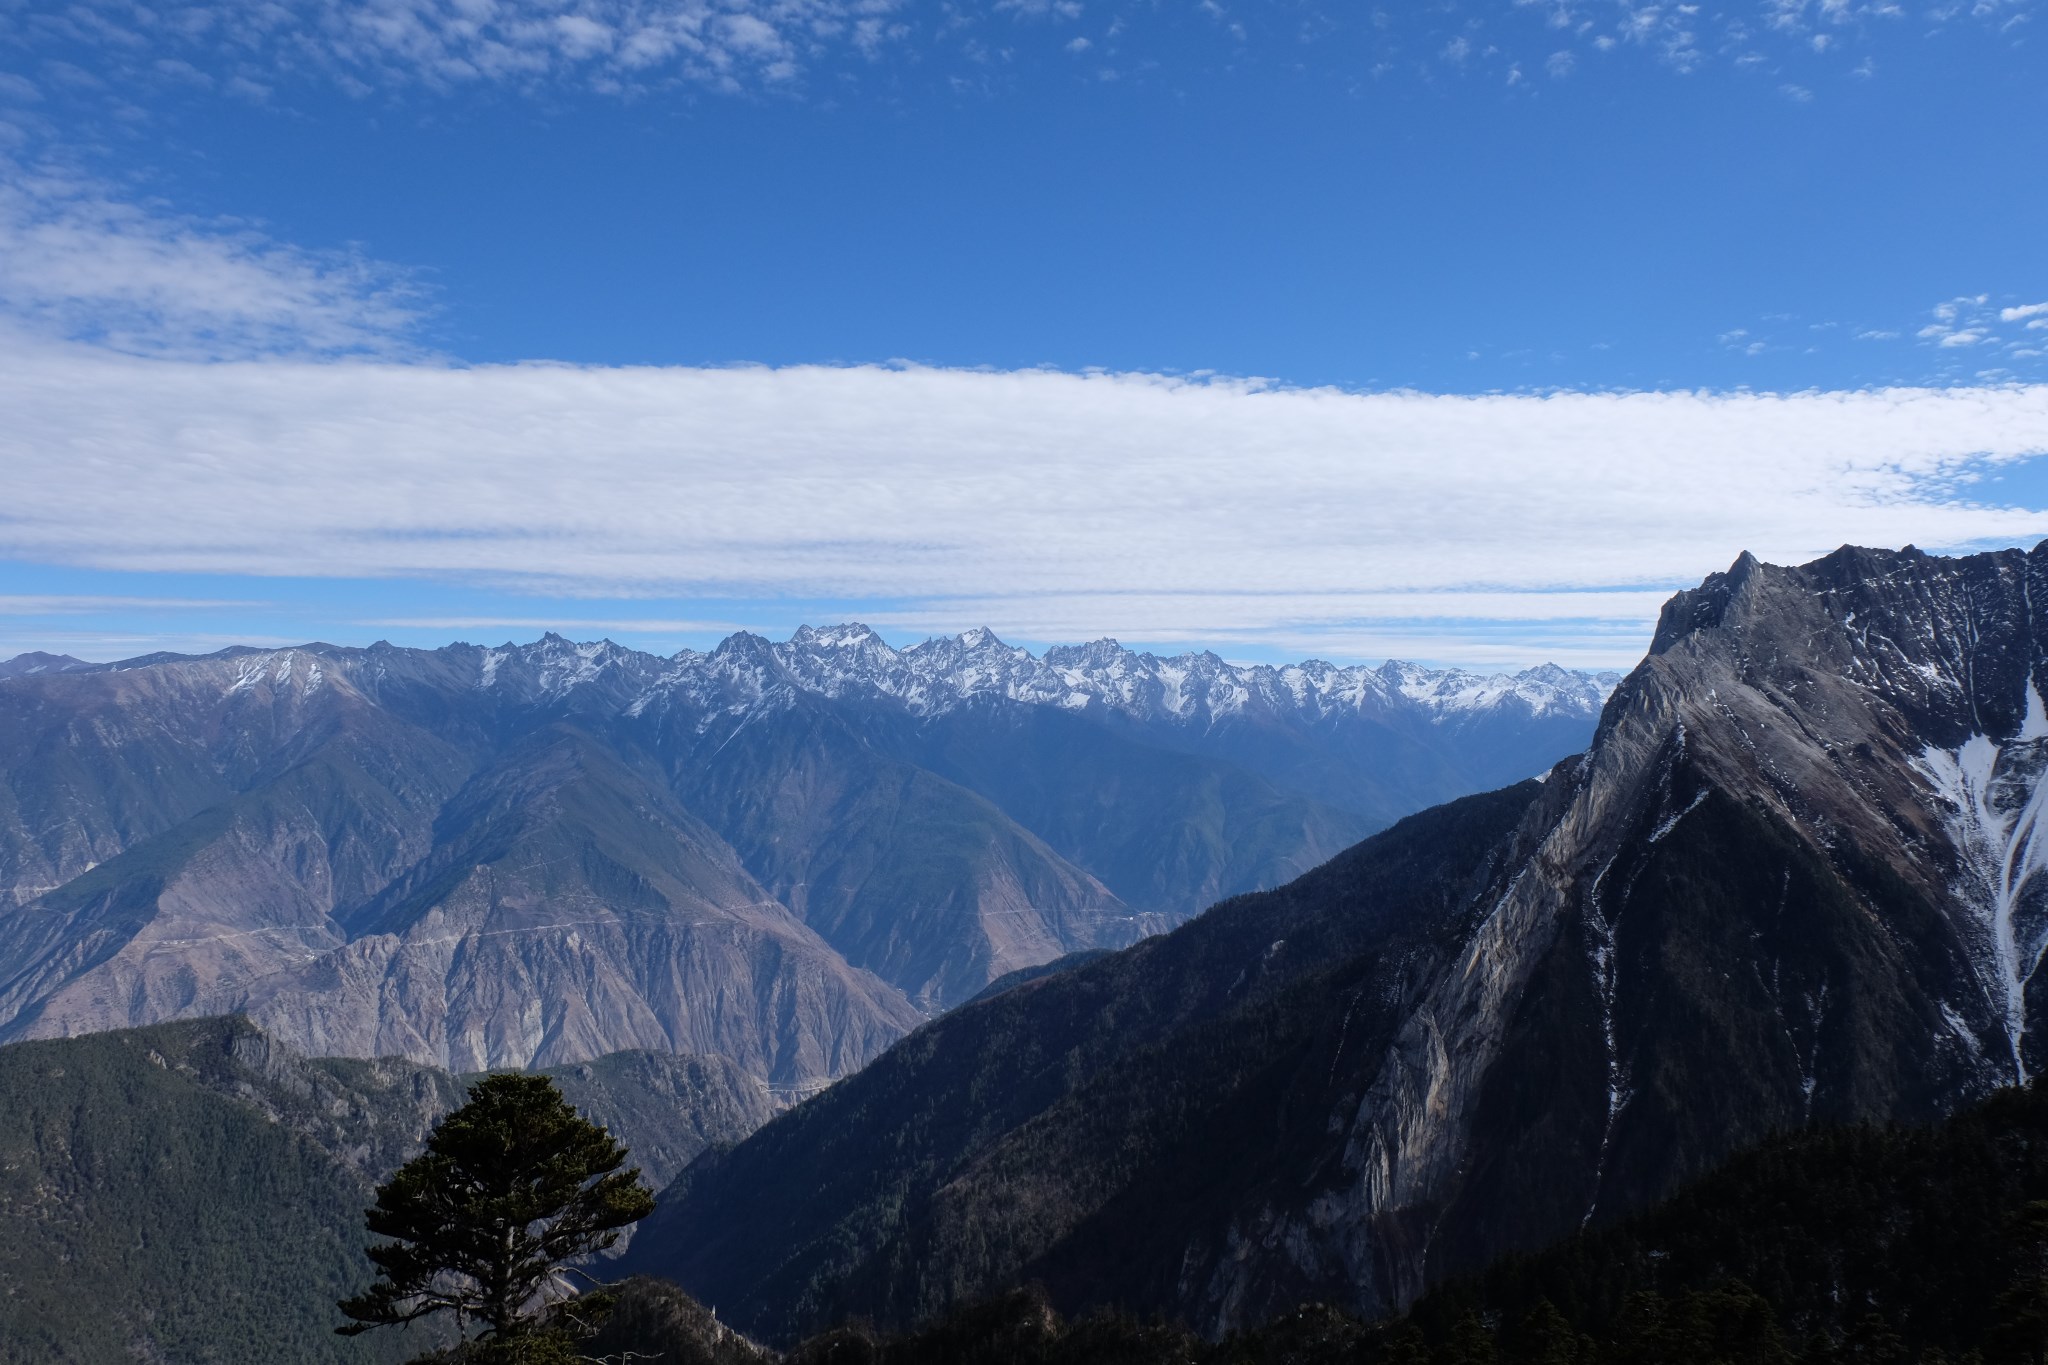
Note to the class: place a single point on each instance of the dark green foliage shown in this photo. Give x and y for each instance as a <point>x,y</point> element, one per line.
<point>1313,1334</point>
<point>146,1215</point>
<point>2020,1335</point>
<point>513,1186</point>
<point>661,1325</point>
<point>1726,1322</point>
<point>1024,976</point>
<point>1018,1328</point>
<point>193,1192</point>
<point>1822,1229</point>
<point>542,1346</point>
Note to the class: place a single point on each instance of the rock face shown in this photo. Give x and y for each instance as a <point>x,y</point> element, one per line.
<point>787,855</point>
<point>1794,878</point>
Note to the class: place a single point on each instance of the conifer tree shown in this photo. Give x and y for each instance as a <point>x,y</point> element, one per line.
<point>512,1187</point>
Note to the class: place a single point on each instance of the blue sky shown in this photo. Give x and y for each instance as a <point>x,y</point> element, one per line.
<point>1281,328</point>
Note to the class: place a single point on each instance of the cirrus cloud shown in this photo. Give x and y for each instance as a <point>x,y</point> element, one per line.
<point>632,46</point>
<point>80,260</point>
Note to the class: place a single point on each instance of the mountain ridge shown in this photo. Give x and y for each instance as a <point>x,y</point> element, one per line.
<point>1791,881</point>
<point>787,854</point>
<point>934,674</point>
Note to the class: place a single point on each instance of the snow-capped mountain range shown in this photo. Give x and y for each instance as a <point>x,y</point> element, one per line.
<point>785,853</point>
<point>947,672</point>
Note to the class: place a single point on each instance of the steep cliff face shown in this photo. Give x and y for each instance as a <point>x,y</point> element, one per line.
<point>788,854</point>
<point>1792,880</point>
<point>1091,1128</point>
<point>1794,877</point>
<point>571,908</point>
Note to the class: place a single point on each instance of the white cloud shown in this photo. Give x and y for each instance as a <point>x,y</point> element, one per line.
<point>633,46</point>
<point>448,44</point>
<point>580,627</point>
<point>1048,504</point>
<point>78,261</point>
<point>72,604</point>
<point>1973,322</point>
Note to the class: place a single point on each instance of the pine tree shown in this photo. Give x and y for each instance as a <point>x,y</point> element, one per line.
<point>1545,1338</point>
<point>512,1187</point>
<point>1470,1342</point>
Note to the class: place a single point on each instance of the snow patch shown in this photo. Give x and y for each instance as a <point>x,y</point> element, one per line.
<point>2035,726</point>
<point>945,673</point>
<point>1960,1028</point>
<point>1991,798</point>
<point>1670,822</point>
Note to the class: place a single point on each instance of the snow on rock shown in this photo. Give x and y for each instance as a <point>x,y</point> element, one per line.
<point>938,675</point>
<point>1991,797</point>
<point>747,672</point>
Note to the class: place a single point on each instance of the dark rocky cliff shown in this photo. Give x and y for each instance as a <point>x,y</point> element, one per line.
<point>1793,879</point>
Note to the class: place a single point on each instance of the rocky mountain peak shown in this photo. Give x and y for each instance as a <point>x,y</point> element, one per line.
<point>1801,876</point>
<point>743,648</point>
<point>1095,655</point>
<point>848,637</point>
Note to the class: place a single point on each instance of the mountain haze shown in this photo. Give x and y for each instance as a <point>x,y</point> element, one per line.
<point>784,854</point>
<point>1795,878</point>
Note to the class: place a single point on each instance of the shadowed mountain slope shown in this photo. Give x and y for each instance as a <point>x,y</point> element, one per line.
<point>1888,1242</point>
<point>1022,1129</point>
<point>1794,879</point>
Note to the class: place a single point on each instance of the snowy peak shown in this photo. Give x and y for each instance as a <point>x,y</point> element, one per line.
<point>840,659</point>
<point>1203,688</point>
<point>553,668</point>
<point>1952,644</point>
<point>931,678</point>
<point>846,638</point>
<point>1885,706</point>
